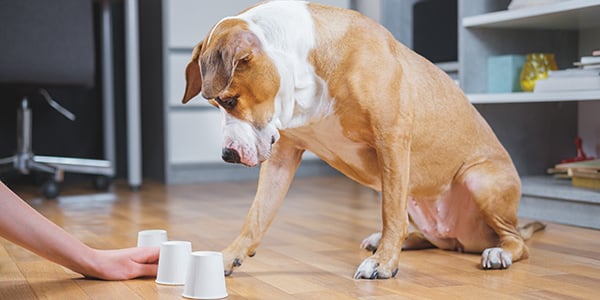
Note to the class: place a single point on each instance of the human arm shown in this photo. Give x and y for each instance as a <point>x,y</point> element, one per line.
<point>23,225</point>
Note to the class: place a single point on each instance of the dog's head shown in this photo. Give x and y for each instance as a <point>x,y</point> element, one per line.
<point>232,70</point>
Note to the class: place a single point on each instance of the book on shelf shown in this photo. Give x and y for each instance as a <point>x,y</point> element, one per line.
<point>590,180</point>
<point>569,80</point>
<point>584,174</point>
<point>589,59</point>
<point>590,165</point>
<point>574,72</point>
<point>554,84</point>
<point>589,62</point>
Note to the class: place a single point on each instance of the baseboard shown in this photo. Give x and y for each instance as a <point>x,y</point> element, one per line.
<point>548,199</point>
<point>213,172</point>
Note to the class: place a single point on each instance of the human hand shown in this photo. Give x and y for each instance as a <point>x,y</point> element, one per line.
<point>122,264</point>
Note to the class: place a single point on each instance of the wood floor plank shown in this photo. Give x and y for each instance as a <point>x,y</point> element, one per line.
<point>16,289</point>
<point>8,268</point>
<point>51,281</point>
<point>310,252</point>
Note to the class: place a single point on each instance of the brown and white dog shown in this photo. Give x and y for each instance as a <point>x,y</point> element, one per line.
<point>291,76</point>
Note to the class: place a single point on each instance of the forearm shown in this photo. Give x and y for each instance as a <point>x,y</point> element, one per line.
<point>23,225</point>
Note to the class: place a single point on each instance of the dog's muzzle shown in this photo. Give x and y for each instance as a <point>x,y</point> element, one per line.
<point>230,155</point>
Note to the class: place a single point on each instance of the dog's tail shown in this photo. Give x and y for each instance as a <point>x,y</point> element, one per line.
<point>527,230</point>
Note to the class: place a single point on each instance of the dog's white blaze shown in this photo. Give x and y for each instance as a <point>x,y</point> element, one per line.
<point>253,145</point>
<point>286,31</point>
<point>238,135</point>
<point>213,30</point>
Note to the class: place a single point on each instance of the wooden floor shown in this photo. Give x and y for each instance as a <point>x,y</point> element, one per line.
<point>310,252</point>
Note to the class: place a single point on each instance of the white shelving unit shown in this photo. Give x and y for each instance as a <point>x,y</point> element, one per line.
<point>566,15</point>
<point>573,14</point>
<point>570,29</point>
<point>534,97</point>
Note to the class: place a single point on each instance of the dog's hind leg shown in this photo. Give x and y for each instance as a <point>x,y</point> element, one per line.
<point>496,190</point>
<point>371,242</point>
<point>414,241</point>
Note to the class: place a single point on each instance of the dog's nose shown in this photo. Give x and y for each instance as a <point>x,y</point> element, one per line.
<point>230,155</point>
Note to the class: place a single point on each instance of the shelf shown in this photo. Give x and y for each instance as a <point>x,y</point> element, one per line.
<point>556,200</point>
<point>451,66</point>
<point>534,97</point>
<point>573,15</point>
<point>550,188</point>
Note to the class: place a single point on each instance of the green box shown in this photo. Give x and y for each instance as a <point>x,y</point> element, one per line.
<point>504,73</point>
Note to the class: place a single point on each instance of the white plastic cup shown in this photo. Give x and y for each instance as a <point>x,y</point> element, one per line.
<point>151,238</point>
<point>173,262</point>
<point>205,276</point>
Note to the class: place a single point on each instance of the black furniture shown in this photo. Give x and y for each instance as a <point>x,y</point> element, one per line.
<point>47,44</point>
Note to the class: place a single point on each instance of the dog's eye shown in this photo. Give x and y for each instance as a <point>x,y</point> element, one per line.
<point>229,102</point>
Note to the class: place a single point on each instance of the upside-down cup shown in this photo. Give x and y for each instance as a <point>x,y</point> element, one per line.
<point>173,262</point>
<point>205,276</point>
<point>151,238</point>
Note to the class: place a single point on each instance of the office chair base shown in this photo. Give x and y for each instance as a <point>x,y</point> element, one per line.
<point>77,165</point>
<point>24,161</point>
<point>50,189</point>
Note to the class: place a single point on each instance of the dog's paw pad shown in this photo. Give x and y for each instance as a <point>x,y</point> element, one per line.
<point>367,269</point>
<point>495,258</point>
<point>237,262</point>
<point>370,269</point>
<point>371,242</point>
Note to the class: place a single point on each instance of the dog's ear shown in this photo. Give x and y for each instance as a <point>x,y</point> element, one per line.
<point>220,64</point>
<point>193,78</point>
<point>247,45</point>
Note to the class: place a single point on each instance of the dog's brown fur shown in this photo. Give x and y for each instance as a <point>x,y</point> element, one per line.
<point>405,129</point>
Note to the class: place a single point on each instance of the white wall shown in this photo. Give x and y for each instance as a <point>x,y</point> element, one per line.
<point>369,8</point>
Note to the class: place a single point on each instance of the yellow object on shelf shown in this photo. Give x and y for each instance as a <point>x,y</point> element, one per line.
<point>586,182</point>
<point>585,174</point>
<point>535,68</point>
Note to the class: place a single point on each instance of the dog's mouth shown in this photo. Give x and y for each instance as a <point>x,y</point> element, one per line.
<point>231,155</point>
<point>246,144</point>
<point>249,155</point>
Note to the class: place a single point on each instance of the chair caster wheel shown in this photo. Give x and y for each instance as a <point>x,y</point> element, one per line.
<point>102,183</point>
<point>50,189</point>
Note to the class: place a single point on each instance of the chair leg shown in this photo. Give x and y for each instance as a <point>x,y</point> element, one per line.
<point>25,161</point>
<point>57,173</point>
<point>77,165</point>
<point>24,158</point>
<point>7,163</point>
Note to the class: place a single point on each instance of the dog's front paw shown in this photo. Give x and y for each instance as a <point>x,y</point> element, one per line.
<point>233,259</point>
<point>495,258</point>
<point>370,268</point>
<point>371,242</point>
